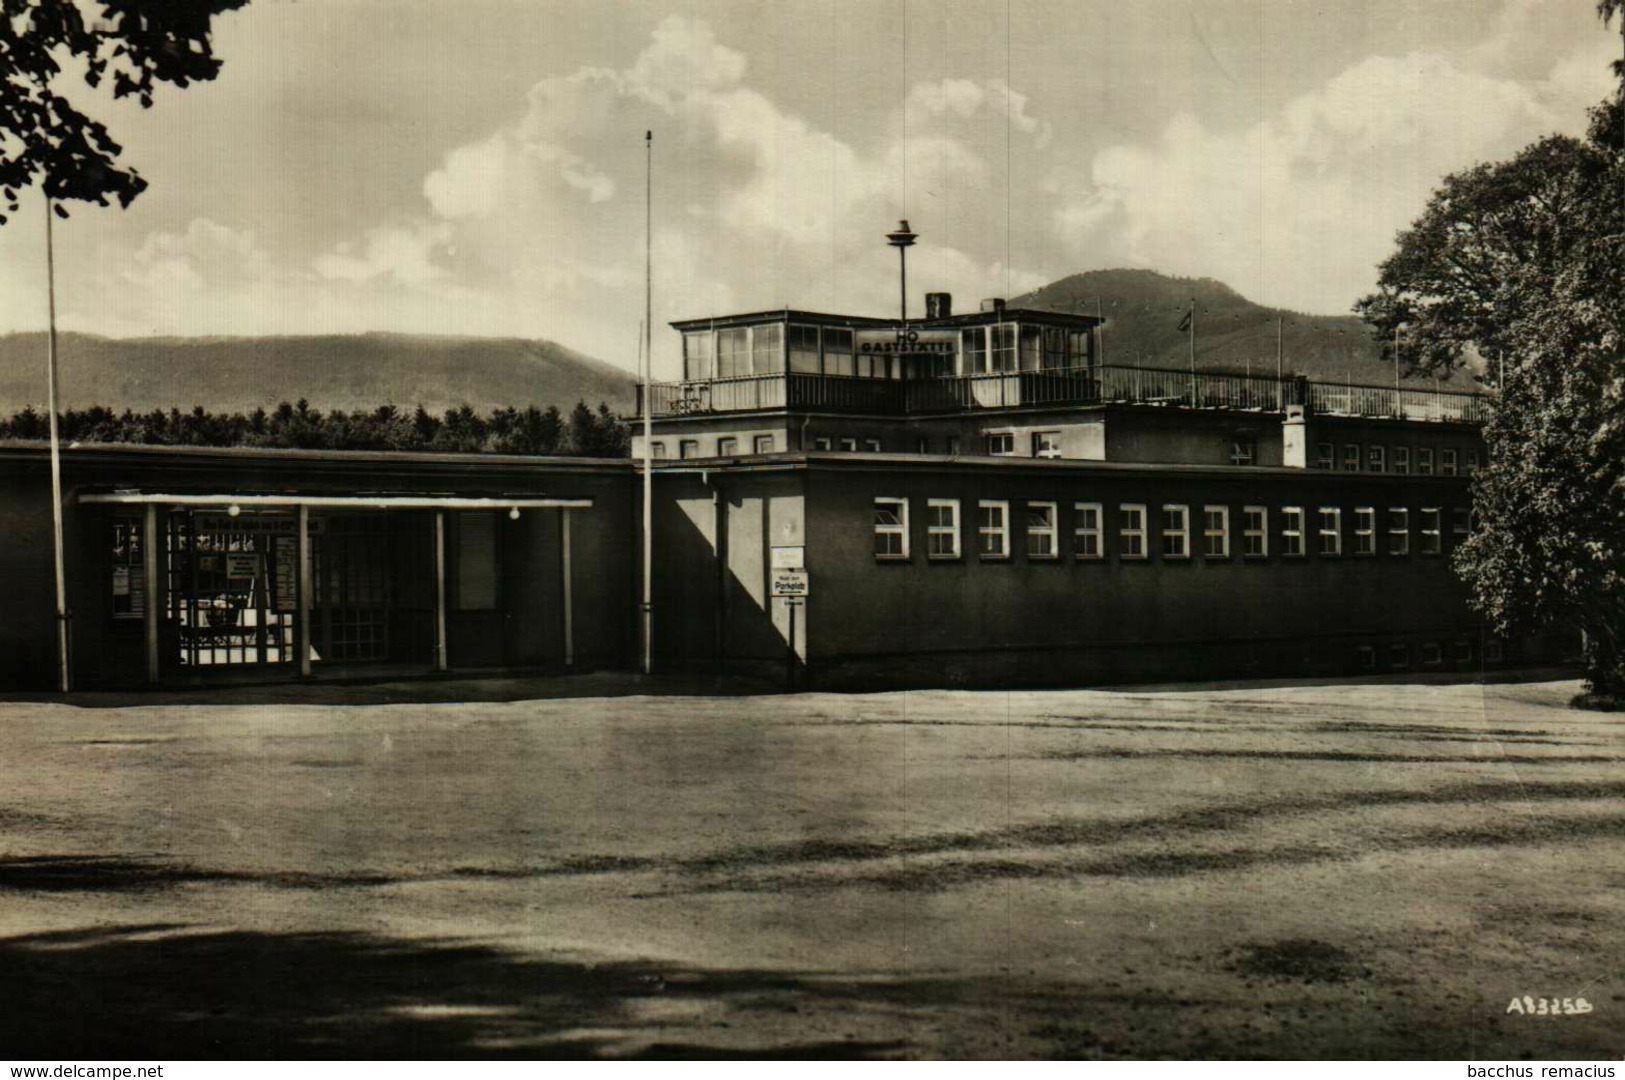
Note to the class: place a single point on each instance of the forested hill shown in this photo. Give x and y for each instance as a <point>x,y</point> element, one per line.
<point>1144,309</point>
<point>357,371</point>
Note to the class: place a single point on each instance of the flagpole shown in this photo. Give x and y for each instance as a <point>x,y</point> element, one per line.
<point>648,404</point>
<point>64,665</point>
<point>1280,391</point>
<point>1193,352</point>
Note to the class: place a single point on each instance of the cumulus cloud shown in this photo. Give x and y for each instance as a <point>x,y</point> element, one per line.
<point>1298,209</point>
<point>776,210</point>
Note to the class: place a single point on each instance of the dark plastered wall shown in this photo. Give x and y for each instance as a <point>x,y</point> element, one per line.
<point>1025,621</point>
<point>713,540</point>
<point>1181,436</point>
<point>1339,430</point>
<point>27,630</point>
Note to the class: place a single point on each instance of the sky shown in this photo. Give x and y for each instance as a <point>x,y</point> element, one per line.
<point>478,167</point>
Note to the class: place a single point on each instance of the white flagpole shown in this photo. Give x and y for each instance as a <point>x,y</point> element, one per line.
<point>1193,353</point>
<point>64,664</point>
<point>648,404</point>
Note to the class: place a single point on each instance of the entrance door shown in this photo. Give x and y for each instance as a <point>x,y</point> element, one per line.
<point>351,593</point>
<point>233,587</point>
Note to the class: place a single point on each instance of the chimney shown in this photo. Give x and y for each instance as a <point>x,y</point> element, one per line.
<point>994,304</point>
<point>938,305</point>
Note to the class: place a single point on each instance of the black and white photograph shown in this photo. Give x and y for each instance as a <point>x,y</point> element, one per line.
<point>872,530</point>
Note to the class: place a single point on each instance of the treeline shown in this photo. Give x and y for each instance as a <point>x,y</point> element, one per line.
<point>584,433</point>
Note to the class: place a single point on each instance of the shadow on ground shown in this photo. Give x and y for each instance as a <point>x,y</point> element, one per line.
<point>161,991</point>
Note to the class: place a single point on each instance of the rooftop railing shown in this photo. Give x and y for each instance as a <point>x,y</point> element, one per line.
<point>1109,384</point>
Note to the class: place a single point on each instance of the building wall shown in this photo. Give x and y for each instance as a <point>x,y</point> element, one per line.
<point>1021,620</point>
<point>526,629</point>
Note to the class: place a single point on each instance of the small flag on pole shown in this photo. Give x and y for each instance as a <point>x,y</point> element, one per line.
<point>1185,323</point>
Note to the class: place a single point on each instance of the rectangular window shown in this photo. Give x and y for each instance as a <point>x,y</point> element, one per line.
<point>1032,347</point>
<point>1432,542</point>
<point>1041,539</point>
<point>1255,524</point>
<point>1402,460</point>
<point>953,445</point>
<point>821,442</point>
<point>1399,657</point>
<point>1216,532</point>
<point>688,448</point>
<point>838,352</point>
<point>1243,451</point>
<point>1086,540</point>
<point>1376,458</point>
<point>699,353</point>
<point>1365,658</point>
<point>129,572</point>
<point>1447,463</point>
<point>477,560</point>
<point>1003,356</point>
<point>993,529</point>
<point>1351,457</point>
<point>1292,531</point>
<point>973,349</point>
<point>657,450</point>
<point>1432,654</point>
<point>1325,455</point>
<point>1055,347</point>
<point>1331,530</point>
<point>1176,531</point>
<point>764,444</point>
<point>804,349</point>
<point>1461,524</point>
<point>1464,652</point>
<point>1131,531</point>
<point>871,446</point>
<point>767,348</point>
<point>733,352</point>
<point>850,446</point>
<point>1001,444</point>
<point>1493,652</point>
<point>1365,530</point>
<point>1424,461</point>
<point>1472,462</point>
<point>942,528</point>
<point>1046,444</point>
<point>1399,530</point>
<point>891,528</point>
<point>727,446</point>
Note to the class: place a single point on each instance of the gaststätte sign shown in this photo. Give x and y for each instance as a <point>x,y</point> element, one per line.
<point>907,342</point>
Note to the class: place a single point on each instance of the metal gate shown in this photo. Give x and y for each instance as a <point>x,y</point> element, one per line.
<point>233,587</point>
<point>350,561</point>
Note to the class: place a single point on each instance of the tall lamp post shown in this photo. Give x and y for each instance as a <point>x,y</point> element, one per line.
<point>902,238</point>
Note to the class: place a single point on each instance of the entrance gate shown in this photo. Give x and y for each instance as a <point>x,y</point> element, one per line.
<point>233,587</point>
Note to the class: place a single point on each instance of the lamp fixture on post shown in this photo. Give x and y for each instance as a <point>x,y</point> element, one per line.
<point>902,238</point>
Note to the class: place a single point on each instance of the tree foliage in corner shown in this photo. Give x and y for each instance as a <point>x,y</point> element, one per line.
<point>134,44</point>
<point>1522,263</point>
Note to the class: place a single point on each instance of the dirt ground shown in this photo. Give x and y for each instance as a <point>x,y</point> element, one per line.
<point>1368,869</point>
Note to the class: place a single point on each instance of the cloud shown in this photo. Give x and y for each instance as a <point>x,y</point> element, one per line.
<point>404,255</point>
<point>205,255</point>
<point>1298,209</point>
<point>774,210</point>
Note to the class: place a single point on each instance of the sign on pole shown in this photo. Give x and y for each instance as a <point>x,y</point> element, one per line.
<point>790,583</point>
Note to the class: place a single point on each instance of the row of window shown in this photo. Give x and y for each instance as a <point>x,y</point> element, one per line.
<point>1431,654</point>
<point>771,348</point>
<point>1378,458</point>
<point>727,446</point>
<point>1175,535</point>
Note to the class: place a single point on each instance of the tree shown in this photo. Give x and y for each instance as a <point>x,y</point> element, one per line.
<point>1520,266</point>
<point>136,43</point>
